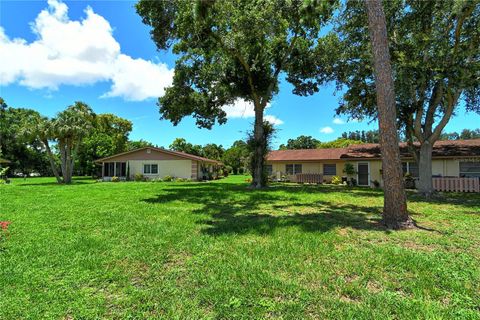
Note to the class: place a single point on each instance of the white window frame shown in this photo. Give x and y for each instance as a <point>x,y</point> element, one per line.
<point>150,166</point>
<point>329,164</point>
<point>294,171</point>
<point>408,168</point>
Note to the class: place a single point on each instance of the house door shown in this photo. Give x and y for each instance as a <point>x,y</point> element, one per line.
<point>363,174</point>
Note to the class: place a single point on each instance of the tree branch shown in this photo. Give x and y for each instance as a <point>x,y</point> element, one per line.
<point>451,102</point>
<point>435,100</point>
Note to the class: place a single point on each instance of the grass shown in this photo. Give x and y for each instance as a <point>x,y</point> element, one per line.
<point>217,250</point>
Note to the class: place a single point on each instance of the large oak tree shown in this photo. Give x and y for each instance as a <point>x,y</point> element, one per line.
<point>231,50</point>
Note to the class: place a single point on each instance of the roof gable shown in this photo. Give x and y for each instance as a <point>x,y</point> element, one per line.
<point>152,153</point>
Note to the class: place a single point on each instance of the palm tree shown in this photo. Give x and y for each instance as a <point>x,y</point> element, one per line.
<point>69,128</point>
<point>37,127</point>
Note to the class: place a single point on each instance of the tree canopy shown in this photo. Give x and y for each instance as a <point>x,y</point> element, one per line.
<point>230,50</point>
<point>107,136</point>
<point>301,142</point>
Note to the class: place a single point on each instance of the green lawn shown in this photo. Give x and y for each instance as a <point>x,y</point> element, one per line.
<point>217,250</point>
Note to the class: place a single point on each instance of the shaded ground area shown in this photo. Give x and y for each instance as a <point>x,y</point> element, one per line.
<point>219,250</point>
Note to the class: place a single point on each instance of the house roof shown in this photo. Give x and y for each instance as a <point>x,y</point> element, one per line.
<point>441,149</point>
<point>170,152</point>
<point>306,154</point>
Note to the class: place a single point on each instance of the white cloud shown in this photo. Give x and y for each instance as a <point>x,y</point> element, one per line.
<point>338,121</point>
<point>273,120</point>
<point>239,109</point>
<point>78,53</point>
<point>326,130</point>
<point>244,109</point>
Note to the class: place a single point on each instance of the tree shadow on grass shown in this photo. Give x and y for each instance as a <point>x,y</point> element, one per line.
<point>47,184</point>
<point>467,200</point>
<point>232,209</point>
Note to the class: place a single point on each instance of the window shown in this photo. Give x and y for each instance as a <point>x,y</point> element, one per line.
<point>269,169</point>
<point>410,167</point>
<point>121,169</point>
<point>469,169</point>
<point>109,168</point>
<point>293,168</point>
<point>329,169</point>
<point>150,168</point>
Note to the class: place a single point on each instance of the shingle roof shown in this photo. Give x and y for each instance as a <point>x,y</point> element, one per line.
<point>447,148</point>
<point>306,154</point>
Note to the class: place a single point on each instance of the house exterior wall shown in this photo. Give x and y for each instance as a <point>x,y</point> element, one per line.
<point>452,168</point>
<point>375,173</point>
<point>440,167</point>
<point>175,168</point>
<point>309,167</point>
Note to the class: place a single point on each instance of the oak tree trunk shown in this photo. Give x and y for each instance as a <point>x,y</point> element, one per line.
<point>395,213</point>
<point>425,185</point>
<point>259,149</point>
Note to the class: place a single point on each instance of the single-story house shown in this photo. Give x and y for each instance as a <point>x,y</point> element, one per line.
<point>155,163</point>
<point>453,158</point>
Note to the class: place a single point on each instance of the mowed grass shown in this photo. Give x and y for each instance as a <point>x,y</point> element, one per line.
<point>218,250</point>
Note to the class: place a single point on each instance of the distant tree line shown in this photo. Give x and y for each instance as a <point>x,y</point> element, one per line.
<point>369,136</point>
<point>465,134</point>
<point>65,145</point>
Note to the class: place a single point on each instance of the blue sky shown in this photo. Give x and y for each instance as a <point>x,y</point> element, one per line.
<point>99,52</point>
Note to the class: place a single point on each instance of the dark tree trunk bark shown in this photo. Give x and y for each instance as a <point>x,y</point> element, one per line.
<point>395,215</point>
<point>425,185</point>
<point>259,149</point>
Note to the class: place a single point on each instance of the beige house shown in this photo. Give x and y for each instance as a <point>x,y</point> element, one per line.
<point>455,158</point>
<point>155,163</point>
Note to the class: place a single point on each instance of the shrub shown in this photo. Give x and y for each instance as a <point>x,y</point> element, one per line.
<point>167,178</point>
<point>352,182</point>
<point>139,177</point>
<point>336,180</point>
<point>182,180</point>
<point>349,169</point>
<point>115,179</point>
<point>376,184</point>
